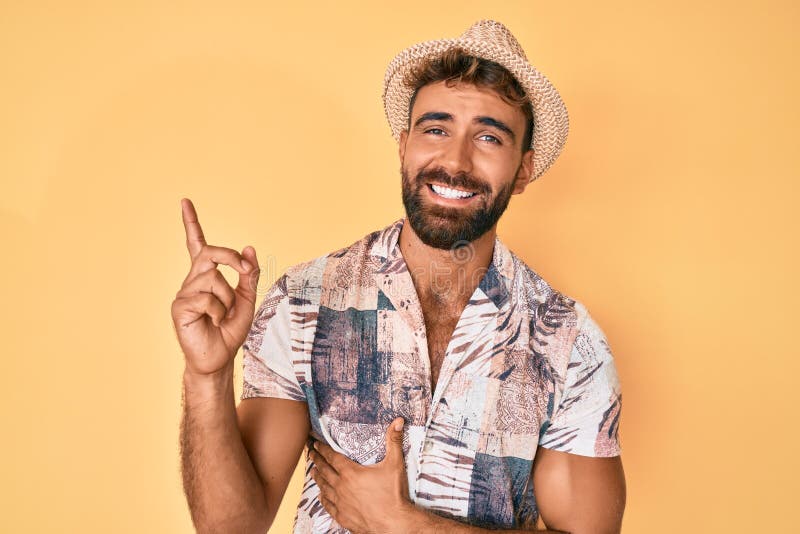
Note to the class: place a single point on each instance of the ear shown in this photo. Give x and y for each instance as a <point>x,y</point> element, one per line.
<point>402,144</point>
<point>522,179</point>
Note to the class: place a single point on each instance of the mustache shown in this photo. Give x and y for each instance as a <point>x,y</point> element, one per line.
<point>459,181</point>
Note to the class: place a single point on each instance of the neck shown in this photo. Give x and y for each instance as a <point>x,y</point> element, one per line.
<point>444,276</point>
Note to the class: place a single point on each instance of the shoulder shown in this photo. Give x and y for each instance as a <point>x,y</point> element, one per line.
<point>540,297</point>
<point>561,327</point>
<point>312,273</point>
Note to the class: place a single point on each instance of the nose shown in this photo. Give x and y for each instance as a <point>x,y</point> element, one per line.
<point>456,155</point>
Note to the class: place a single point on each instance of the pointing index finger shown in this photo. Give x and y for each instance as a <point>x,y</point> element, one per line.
<point>194,233</point>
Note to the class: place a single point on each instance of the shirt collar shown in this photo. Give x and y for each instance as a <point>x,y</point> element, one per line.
<point>496,283</point>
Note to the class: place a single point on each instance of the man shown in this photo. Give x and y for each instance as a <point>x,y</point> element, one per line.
<point>438,381</point>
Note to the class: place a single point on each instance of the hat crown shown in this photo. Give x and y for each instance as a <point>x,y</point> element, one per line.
<point>494,32</point>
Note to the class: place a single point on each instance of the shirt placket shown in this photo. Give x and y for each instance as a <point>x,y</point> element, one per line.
<point>479,314</point>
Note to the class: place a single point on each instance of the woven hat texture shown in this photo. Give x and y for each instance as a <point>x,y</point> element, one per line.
<point>490,40</point>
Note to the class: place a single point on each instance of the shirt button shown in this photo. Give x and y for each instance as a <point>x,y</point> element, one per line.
<point>428,446</point>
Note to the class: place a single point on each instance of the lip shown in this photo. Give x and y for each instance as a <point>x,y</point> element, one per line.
<point>449,201</point>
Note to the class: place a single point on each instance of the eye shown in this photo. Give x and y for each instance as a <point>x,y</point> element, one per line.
<point>429,130</point>
<point>492,139</point>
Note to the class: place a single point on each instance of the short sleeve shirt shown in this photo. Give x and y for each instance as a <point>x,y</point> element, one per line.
<point>526,367</point>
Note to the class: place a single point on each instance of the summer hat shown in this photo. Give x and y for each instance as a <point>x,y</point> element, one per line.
<point>490,40</point>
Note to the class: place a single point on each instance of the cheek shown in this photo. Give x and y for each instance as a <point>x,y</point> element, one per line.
<point>420,150</point>
<point>499,171</point>
<point>490,173</point>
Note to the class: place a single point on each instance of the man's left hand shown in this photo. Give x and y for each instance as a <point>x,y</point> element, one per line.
<point>365,498</point>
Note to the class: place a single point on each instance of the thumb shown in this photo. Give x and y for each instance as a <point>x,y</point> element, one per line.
<point>394,441</point>
<point>248,282</point>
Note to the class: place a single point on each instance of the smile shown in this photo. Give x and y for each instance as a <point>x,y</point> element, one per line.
<point>447,192</point>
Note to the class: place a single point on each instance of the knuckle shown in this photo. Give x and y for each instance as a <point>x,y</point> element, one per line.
<point>209,279</point>
<point>345,475</point>
<point>223,255</point>
<point>219,279</point>
<point>205,275</point>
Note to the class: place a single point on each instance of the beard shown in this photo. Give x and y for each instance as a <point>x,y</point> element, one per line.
<point>445,227</point>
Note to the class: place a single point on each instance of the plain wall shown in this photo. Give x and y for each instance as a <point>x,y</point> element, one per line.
<point>671,215</point>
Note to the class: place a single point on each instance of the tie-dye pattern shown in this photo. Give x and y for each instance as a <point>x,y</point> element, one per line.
<point>526,366</point>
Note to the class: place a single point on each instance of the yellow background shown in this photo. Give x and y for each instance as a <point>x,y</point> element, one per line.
<point>671,214</point>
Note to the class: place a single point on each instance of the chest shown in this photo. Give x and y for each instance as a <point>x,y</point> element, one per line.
<point>447,366</point>
<point>440,323</point>
<point>469,444</point>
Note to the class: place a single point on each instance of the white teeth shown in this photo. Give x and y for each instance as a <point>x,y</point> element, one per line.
<point>446,192</point>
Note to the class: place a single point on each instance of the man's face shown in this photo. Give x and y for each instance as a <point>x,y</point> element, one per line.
<point>461,161</point>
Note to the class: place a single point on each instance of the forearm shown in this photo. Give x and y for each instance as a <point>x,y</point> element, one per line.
<point>420,521</point>
<point>222,488</point>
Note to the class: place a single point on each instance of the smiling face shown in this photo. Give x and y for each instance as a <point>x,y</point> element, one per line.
<point>461,161</point>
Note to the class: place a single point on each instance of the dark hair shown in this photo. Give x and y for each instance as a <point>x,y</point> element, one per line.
<point>456,66</point>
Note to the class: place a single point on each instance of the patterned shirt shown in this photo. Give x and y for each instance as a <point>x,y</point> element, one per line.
<point>526,366</point>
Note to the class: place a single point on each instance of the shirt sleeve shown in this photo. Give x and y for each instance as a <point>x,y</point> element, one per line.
<point>586,421</point>
<point>269,369</point>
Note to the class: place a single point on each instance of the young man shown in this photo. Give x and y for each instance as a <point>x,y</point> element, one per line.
<point>439,382</point>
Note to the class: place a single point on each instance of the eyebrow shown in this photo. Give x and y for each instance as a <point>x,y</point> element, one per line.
<point>485,120</point>
<point>433,116</point>
<point>500,125</point>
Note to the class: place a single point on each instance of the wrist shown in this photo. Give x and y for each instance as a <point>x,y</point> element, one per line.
<point>411,519</point>
<point>207,385</point>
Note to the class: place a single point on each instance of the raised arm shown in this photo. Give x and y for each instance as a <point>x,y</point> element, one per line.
<point>235,463</point>
<point>274,432</point>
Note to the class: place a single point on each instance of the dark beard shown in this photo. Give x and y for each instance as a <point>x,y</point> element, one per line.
<point>448,228</point>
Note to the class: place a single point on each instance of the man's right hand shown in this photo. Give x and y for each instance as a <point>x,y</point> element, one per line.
<point>212,319</point>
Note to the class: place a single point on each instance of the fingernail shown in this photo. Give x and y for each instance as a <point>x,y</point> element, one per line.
<point>246,265</point>
<point>399,425</point>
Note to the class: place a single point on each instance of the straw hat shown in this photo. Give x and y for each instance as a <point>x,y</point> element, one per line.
<point>491,40</point>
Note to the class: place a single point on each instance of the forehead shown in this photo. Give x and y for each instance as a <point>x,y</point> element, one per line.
<point>465,101</point>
